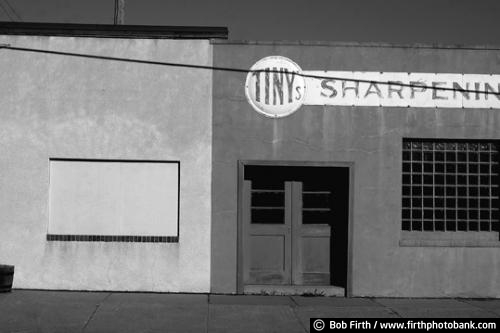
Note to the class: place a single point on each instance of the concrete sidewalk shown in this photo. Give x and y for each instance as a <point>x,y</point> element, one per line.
<point>54,311</point>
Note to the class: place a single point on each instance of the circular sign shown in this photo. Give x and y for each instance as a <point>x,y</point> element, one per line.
<point>274,86</point>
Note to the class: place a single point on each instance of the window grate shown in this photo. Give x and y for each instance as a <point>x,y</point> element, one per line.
<point>450,185</point>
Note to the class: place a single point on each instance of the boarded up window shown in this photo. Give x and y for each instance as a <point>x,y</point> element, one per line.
<point>106,198</point>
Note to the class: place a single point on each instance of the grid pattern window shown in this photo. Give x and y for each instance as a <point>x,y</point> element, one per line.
<point>450,186</point>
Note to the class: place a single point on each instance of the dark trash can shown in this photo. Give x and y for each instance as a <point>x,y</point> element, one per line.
<point>6,278</point>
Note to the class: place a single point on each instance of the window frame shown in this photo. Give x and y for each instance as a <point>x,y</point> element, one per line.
<point>117,238</point>
<point>447,237</point>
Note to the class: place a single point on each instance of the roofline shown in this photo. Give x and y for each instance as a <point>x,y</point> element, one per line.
<point>359,44</point>
<point>112,31</point>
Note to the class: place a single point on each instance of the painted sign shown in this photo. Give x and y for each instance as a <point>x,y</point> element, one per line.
<point>274,88</point>
<point>269,92</point>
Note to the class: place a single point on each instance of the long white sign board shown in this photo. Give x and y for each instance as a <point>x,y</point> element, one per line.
<point>277,87</point>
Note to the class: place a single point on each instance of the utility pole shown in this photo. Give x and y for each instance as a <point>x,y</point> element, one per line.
<point>119,12</point>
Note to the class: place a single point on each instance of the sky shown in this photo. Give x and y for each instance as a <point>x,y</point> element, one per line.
<point>465,22</point>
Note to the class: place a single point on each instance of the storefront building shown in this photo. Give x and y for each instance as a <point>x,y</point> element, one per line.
<point>106,164</point>
<point>333,182</point>
<point>270,168</point>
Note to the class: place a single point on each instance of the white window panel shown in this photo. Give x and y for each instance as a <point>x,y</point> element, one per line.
<point>113,198</point>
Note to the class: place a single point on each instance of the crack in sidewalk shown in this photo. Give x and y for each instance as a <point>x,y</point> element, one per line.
<point>391,310</point>
<point>295,313</point>
<point>94,312</point>
<point>477,307</point>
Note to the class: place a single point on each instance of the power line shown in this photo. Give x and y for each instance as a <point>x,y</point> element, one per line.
<point>6,12</point>
<point>239,70</point>
<point>13,10</point>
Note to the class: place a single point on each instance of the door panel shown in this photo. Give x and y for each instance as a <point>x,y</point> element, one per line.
<point>268,259</point>
<point>267,243</point>
<point>314,253</point>
<point>311,241</point>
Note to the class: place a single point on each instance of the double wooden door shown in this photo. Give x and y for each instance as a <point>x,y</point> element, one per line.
<point>286,235</point>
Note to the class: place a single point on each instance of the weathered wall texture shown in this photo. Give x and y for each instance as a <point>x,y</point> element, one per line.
<point>371,137</point>
<point>69,107</point>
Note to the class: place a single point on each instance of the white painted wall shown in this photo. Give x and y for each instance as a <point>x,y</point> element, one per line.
<point>78,108</point>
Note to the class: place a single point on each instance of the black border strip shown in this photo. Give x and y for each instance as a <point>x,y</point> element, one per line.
<point>112,31</point>
<point>113,238</point>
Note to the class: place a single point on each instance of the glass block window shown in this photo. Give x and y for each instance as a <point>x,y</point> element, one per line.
<point>450,185</point>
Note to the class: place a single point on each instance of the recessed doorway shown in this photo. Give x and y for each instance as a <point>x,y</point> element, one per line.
<point>294,228</point>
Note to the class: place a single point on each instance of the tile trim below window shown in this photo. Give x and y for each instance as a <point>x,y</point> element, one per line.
<point>114,239</point>
<point>446,243</point>
<point>449,239</point>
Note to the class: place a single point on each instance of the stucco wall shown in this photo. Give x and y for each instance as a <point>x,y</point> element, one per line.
<point>371,138</point>
<point>66,107</point>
